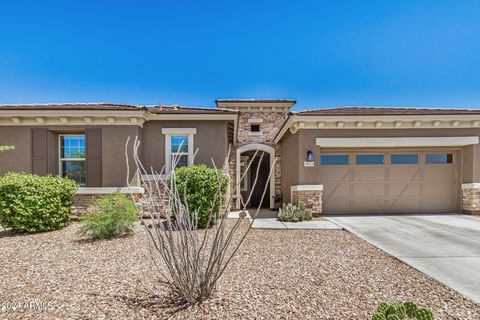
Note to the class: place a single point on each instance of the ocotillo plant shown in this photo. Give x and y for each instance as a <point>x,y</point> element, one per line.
<point>191,261</point>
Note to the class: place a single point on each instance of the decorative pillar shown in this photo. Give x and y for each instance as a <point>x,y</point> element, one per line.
<point>310,195</point>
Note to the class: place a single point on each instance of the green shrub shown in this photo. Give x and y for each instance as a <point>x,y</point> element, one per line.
<point>30,203</point>
<point>398,311</point>
<point>202,189</point>
<point>112,215</point>
<point>291,213</point>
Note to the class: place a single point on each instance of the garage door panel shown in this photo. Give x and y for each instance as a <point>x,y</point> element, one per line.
<point>334,173</point>
<point>404,173</point>
<point>445,188</point>
<point>434,204</point>
<point>337,190</point>
<point>369,189</point>
<point>439,172</point>
<point>365,173</point>
<point>391,188</point>
<point>405,204</point>
<point>366,205</point>
<point>403,188</point>
<point>336,205</point>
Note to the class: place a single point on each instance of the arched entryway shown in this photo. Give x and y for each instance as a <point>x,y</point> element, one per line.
<point>243,156</point>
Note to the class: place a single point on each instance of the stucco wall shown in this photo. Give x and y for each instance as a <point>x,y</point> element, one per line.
<point>113,152</point>
<point>290,164</point>
<point>19,159</point>
<point>211,141</point>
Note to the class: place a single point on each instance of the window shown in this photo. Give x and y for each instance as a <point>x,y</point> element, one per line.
<point>255,128</point>
<point>332,159</point>
<point>404,158</point>
<point>369,159</point>
<point>72,157</point>
<point>178,147</point>
<point>438,158</point>
<point>179,151</point>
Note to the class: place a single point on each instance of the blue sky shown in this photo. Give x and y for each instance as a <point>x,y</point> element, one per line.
<point>322,53</point>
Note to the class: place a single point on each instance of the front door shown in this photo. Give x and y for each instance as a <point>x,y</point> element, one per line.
<point>261,183</point>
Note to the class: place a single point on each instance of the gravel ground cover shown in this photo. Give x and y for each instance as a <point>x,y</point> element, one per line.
<point>290,274</point>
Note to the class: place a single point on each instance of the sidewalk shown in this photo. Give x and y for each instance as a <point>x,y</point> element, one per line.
<point>274,223</point>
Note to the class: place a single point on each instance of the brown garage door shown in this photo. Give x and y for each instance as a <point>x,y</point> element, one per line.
<point>390,181</point>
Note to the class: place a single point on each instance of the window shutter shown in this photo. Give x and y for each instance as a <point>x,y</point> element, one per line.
<point>93,137</point>
<point>39,151</point>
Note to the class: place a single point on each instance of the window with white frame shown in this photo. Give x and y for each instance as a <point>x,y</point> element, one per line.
<point>178,147</point>
<point>72,157</point>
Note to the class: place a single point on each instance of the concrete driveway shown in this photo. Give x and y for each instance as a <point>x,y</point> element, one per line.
<point>445,247</point>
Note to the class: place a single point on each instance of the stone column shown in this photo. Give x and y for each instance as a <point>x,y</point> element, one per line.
<point>310,196</point>
<point>471,198</point>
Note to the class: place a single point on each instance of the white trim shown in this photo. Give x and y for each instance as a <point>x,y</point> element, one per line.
<point>169,132</point>
<point>253,147</point>
<point>378,122</point>
<point>388,142</point>
<point>255,133</point>
<point>471,186</point>
<point>108,190</point>
<point>179,131</point>
<point>307,187</point>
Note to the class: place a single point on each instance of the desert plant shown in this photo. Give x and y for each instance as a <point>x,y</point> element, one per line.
<point>202,190</point>
<point>6,148</point>
<point>194,259</point>
<point>31,203</point>
<point>111,216</point>
<point>277,198</point>
<point>398,311</point>
<point>291,213</point>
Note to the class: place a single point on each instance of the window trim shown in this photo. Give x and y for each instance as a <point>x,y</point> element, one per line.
<point>367,154</point>
<point>169,132</point>
<point>404,153</point>
<point>439,163</point>
<point>335,164</point>
<point>61,160</point>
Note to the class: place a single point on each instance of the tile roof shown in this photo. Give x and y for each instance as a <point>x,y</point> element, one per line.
<point>188,110</point>
<point>114,107</point>
<point>367,111</point>
<point>71,106</point>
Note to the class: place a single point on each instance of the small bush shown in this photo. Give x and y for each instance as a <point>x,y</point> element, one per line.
<point>291,213</point>
<point>30,203</point>
<point>399,311</point>
<point>198,187</point>
<point>112,215</point>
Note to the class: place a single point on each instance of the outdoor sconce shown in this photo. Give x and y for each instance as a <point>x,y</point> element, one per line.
<point>309,156</point>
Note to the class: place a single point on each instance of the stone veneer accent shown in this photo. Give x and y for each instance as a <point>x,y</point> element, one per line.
<point>471,198</point>
<point>310,196</point>
<point>271,121</point>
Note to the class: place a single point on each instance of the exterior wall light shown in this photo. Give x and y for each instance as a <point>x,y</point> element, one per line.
<point>309,156</point>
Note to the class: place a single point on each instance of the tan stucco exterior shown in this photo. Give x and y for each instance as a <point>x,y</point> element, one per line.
<point>210,139</point>
<point>113,151</point>
<point>286,139</point>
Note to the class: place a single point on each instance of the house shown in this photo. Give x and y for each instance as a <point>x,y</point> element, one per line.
<point>349,160</point>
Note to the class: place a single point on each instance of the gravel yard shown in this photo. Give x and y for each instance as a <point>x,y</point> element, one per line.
<point>291,274</point>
